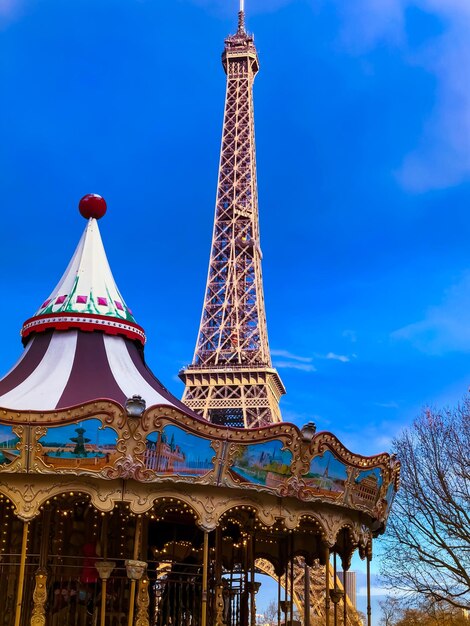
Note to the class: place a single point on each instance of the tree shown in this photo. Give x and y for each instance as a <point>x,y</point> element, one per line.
<point>426,549</point>
<point>391,611</point>
<point>397,612</point>
<point>270,613</point>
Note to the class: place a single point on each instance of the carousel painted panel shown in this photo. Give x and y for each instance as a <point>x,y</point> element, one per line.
<point>173,452</point>
<point>327,477</point>
<point>11,446</point>
<point>365,488</point>
<point>85,446</point>
<point>265,465</point>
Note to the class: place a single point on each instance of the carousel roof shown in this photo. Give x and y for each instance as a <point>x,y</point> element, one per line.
<point>83,343</point>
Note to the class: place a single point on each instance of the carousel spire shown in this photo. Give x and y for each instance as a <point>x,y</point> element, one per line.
<point>86,296</point>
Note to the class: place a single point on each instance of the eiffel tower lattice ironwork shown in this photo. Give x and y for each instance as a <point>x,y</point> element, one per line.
<point>315,588</point>
<point>231,380</point>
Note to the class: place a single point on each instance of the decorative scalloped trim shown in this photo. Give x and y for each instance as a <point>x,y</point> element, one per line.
<point>87,323</point>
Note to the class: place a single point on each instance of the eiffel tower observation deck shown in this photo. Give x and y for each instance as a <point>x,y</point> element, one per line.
<point>231,380</point>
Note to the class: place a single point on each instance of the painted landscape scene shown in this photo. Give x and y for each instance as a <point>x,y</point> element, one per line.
<point>327,475</point>
<point>8,441</point>
<point>84,445</point>
<point>176,452</point>
<point>264,464</point>
<point>366,487</point>
<point>373,475</point>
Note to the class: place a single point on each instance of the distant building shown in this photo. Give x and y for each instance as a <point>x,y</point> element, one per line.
<point>350,585</point>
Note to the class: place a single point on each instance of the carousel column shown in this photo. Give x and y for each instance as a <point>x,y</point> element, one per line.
<point>290,580</point>
<point>285,602</point>
<point>219,588</point>
<point>38,616</point>
<point>279,583</point>
<point>19,593</point>
<point>104,573</point>
<point>143,598</point>
<point>205,570</point>
<point>369,559</point>
<point>143,602</point>
<point>307,595</point>
<point>253,586</point>
<point>7,590</point>
<point>327,586</point>
<point>335,594</point>
<point>244,595</point>
<point>345,598</point>
<point>135,569</point>
<point>105,569</point>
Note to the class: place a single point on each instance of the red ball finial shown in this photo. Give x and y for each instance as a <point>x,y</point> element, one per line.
<point>92,205</point>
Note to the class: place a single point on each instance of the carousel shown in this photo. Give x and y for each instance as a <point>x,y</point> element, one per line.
<point>120,506</point>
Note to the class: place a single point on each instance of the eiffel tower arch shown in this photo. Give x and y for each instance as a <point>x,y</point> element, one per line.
<point>309,581</point>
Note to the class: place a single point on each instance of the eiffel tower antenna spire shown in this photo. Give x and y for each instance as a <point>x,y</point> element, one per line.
<point>241,17</point>
<point>231,380</point>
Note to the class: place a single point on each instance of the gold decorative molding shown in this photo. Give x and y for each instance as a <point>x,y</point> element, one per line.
<point>20,463</point>
<point>38,616</point>
<point>219,606</point>
<point>143,603</point>
<point>125,476</point>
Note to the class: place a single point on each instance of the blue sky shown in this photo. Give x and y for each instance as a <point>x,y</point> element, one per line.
<point>363,141</point>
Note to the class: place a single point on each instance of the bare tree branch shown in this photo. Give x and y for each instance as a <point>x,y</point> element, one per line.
<point>427,544</point>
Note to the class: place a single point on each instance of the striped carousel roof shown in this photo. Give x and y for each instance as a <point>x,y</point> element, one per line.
<point>83,343</point>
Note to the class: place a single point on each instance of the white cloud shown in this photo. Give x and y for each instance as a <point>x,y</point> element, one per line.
<point>331,356</point>
<point>295,365</point>
<point>367,22</point>
<point>292,361</point>
<point>374,591</point>
<point>444,328</point>
<point>288,355</point>
<point>289,360</point>
<point>377,590</point>
<point>442,157</point>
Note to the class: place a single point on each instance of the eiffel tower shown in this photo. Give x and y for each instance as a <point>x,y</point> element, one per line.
<point>231,380</point>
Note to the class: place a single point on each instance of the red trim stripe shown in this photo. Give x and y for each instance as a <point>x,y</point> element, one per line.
<point>84,322</point>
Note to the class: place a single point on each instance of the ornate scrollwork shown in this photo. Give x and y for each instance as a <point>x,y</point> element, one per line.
<point>143,603</point>
<point>38,616</point>
<point>127,468</point>
<point>219,605</point>
<point>294,487</point>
